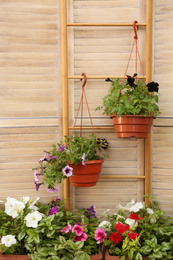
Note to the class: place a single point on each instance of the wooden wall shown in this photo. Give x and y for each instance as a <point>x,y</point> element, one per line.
<point>162,179</point>
<point>30,84</point>
<point>29,80</point>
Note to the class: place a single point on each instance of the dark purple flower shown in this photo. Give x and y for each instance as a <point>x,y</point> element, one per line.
<point>53,210</point>
<point>55,202</point>
<point>37,185</point>
<point>153,87</point>
<point>108,79</point>
<point>103,143</point>
<point>68,171</point>
<point>83,159</point>
<point>43,158</point>
<point>61,148</point>
<point>131,80</point>
<point>51,190</point>
<point>51,157</point>
<point>90,212</point>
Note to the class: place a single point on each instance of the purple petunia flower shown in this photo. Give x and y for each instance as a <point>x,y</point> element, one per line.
<point>53,210</point>
<point>68,171</point>
<point>83,159</point>
<point>37,185</point>
<point>61,148</point>
<point>36,175</point>
<point>51,190</point>
<point>51,157</point>
<point>43,158</point>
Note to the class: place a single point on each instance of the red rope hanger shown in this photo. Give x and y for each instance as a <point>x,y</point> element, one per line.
<point>135,43</point>
<point>81,106</point>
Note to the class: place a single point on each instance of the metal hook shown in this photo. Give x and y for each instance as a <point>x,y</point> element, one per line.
<point>134,27</point>
<point>85,79</point>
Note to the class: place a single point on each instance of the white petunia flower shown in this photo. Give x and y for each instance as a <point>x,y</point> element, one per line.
<point>13,207</point>
<point>132,223</point>
<point>32,219</point>
<point>8,240</point>
<point>150,211</point>
<point>136,207</point>
<point>33,203</point>
<point>106,225</point>
<point>25,199</point>
<point>127,206</point>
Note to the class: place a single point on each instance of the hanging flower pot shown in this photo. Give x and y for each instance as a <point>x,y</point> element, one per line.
<point>133,126</point>
<point>86,176</point>
<point>132,104</point>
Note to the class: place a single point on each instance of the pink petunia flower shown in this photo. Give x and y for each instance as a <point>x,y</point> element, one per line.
<point>78,229</point>
<point>66,229</point>
<point>100,235</point>
<point>67,170</point>
<point>83,237</point>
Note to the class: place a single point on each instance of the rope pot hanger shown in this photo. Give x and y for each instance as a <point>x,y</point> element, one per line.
<point>83,95</point>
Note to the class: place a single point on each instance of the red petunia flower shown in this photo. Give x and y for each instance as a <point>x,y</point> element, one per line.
<point>115,237</point>
<point>135,216</point>
<point>133,235</point>
<point>121,228</point>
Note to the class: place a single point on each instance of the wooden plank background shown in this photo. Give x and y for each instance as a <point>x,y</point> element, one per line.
<point>30,88</point>
<point>163,130</point>
<point>30,76</point>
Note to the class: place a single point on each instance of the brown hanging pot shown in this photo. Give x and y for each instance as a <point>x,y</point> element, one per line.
<point>132,126</point>
<point>88,175</point>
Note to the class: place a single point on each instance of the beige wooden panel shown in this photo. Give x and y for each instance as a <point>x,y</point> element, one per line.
<point>30,95</point>
<point>163,131</point>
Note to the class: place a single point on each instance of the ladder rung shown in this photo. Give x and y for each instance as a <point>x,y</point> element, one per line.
<point>109,177</point>
<point>100,77</point>
<point>105,24</point>
<point>90,127</point>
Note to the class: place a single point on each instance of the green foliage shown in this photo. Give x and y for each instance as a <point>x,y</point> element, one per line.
<point>126,100</point>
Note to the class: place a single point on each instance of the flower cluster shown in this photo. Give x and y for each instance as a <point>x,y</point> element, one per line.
<point>78,229</point>
<point>18,216</point>
<point>56,164</point>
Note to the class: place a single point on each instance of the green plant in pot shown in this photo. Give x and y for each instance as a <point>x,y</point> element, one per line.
<point>71,160</point>
<point>133,106</point>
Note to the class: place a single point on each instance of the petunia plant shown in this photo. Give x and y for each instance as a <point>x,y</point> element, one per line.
<point>55,164</point>
<point>130,98</point>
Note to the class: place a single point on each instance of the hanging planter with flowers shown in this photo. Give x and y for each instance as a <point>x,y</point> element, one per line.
<point>78,158</point>
<point>132,105</point>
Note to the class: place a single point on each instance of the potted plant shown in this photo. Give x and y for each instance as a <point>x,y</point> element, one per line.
<point>77,159</point>
<point>132,106</point>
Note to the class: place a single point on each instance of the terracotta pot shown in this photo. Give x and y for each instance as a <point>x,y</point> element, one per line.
<point>86,176</point>
<point>133,126</point>
<point>108,257</point>
<point>14,257</point>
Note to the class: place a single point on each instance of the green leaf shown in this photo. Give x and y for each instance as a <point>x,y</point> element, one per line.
<point>138,256</point>
<point>165,246</point>
<point>43,251</point>
<point>21,235</point>
<point>79,245</point>
<point>158,255</point>
<point>146,249</point>
<point>62,240</point>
